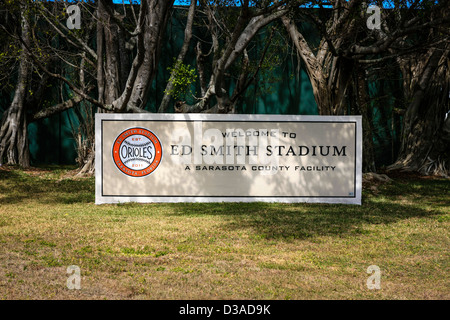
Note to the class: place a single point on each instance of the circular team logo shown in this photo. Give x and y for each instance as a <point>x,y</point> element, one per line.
<point>137,152</point>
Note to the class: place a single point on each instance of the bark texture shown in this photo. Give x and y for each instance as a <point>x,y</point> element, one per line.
<point>328,72</point>
<point>13,130</point>
<point>425,133</point>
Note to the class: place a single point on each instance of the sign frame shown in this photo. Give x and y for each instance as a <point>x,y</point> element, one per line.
<point>101,198</point>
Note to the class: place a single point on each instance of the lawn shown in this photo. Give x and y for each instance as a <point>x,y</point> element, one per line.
<point>48,221</point>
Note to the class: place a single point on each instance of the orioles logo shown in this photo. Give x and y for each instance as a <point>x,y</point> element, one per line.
<point>137,152</point>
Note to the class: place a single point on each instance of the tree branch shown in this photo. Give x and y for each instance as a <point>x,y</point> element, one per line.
<point>58,108</point>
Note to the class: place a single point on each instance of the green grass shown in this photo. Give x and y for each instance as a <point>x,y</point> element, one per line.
<point>48,221</point>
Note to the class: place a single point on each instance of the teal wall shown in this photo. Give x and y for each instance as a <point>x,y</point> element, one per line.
<point>52,142</point>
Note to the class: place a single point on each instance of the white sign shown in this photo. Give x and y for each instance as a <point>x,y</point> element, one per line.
<point>228,158</point>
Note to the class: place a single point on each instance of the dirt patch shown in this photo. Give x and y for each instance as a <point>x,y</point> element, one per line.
<point>399,175</point>
<point>34,171</point>
<point>371,180</point>
<point>65,172</point>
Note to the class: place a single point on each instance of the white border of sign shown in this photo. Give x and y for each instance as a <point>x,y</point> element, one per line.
<point>100,199</point>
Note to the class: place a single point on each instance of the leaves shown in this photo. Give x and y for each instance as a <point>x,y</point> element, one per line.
<point>182,77</point>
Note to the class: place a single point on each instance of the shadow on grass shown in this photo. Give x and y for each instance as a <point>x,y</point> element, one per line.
<point>305,221</point>
<point>393,202</point>
<point>300,221</point>
<point>17,186</point>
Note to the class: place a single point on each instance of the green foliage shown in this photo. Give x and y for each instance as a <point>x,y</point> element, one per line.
<point>182,77</point>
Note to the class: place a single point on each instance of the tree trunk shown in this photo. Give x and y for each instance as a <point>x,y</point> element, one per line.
<point>329,74</point>
<point>153,33</point>
<point>425,142</point>
<point>13,131</point>
<point>363,104</point>
<point>119,85</point>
